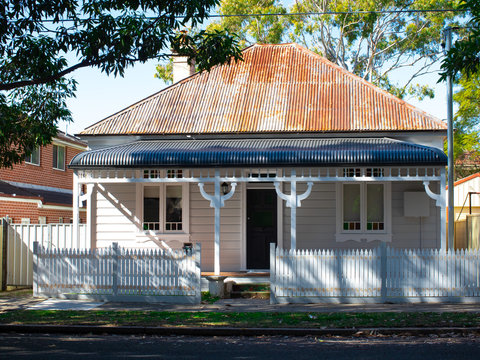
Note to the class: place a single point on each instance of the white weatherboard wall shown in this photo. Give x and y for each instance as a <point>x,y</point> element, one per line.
<point>116,221</point>
<point>316,219</point>
<point>202,224</point>
<point>414,232</point>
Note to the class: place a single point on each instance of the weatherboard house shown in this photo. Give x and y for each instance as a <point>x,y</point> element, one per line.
<point>284,147</point>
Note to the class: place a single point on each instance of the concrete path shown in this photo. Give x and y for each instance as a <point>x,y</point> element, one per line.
<point>226,305</point>
<point>58,304</point>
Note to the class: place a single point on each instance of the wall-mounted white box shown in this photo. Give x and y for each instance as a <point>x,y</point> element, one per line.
<point>416,204</point>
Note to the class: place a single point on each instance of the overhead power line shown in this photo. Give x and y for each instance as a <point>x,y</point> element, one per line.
<point>316,13</point>
<point>359,12</point>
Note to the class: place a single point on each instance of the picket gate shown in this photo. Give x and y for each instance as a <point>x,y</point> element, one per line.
<point>376,275</point>
<point>118,274</point>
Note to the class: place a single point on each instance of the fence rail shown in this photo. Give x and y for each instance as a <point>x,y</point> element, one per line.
<point>20,247</point>
<point>118,274</point>
<point>377,275</point>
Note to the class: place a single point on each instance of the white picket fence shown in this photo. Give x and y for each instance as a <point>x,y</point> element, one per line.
<point>118,274</point>
<point>378,275</point>
<point>20,247</point>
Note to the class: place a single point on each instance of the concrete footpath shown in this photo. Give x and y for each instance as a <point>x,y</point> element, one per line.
<point>225,305</point>
<point>230,305</point>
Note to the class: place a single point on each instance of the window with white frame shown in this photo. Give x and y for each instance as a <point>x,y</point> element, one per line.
<point>163,207</point>
<point>34,157</point>
<point>363,211</point>
<point>59,157</point>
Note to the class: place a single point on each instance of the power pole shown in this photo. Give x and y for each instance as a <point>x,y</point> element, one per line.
<point>451,170</point>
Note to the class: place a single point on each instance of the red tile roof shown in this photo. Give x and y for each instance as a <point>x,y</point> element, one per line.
<point>277,88</point>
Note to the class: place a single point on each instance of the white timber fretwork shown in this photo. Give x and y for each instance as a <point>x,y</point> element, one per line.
<point>279,176</point>
<point>293,201</point>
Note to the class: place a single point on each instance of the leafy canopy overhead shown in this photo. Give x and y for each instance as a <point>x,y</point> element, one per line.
<point>264,29</point>
<point>372,39</point>
<point>464,56</point>
<point>462,62</point>
<point>39,39</point>
<point>387,47</point>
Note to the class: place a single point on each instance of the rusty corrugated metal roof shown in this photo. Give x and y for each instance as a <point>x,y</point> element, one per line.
<point>277,88</point>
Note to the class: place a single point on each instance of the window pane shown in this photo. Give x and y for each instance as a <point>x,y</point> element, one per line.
<point>55,152</point>
<point>375,208</point>
<point>151,208</point>
<point>173,216</point>
<point>351,206</point>
<point>36,156</point>
<point>61,158</point>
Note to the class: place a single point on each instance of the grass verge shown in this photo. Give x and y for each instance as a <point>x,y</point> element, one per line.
<point>250,319</point>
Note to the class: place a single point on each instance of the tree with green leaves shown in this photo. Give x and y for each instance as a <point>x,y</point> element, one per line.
<point>466,121</point>
<point>248,29</point>
<point>251,29</point>
<point>39,39</point>
<point>464,56</point>
<point>377,39</point>
<point>462,62</point>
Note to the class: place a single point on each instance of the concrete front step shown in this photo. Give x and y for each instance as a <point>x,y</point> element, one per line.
<point>237,280</point>
<point>250,294</point>
<point>251,291</point>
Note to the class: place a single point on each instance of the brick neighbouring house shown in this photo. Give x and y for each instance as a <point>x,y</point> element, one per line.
<point>39,190</point>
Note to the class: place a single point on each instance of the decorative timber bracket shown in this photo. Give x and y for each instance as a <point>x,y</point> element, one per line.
<point>439,198</point>
<point>214,199</point>
<point>440,201</point>
<point>293,201</point>
<point>217,201</point>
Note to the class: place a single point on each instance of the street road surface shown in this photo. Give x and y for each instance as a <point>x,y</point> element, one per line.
<point>55,346</point>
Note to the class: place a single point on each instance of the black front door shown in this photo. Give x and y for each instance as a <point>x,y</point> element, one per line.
<point>261,226</point>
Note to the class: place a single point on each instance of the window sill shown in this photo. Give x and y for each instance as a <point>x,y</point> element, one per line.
<point>363,237</point>
<point>164,236</point>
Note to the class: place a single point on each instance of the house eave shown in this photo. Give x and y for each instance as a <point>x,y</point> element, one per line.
<point>269,134</point>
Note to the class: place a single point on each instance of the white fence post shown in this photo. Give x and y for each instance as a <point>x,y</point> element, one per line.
<point>273,270</point>
<point>35,268</point>
<point>115,269</point>
<point>383,271</point>
<point>198,273</point>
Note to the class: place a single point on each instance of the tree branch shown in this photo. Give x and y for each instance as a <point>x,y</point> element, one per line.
<point>53,77</point>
